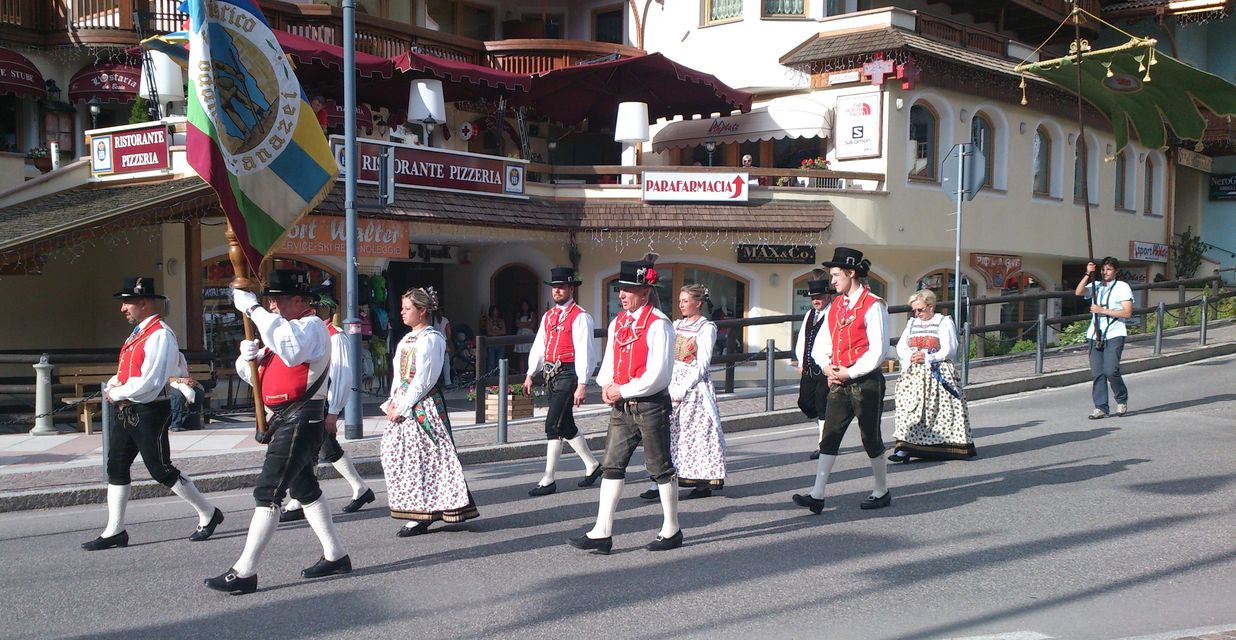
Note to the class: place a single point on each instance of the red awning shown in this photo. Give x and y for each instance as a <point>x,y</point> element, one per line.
<point>19,76</point>
<point>464,80</point>
<point>335,115</point>
<point>306,51</point>
<point>107,81</point>
<point>593,91</point>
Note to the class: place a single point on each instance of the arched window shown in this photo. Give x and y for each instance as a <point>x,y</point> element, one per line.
<point>1078,194</point>
<point>943,284</point>
<point>923,142</point>
<point>727,293</point>
<point>1149,199</point>
<point>1122,181</point>
<point>982,135</point>
<point>1042,162</point>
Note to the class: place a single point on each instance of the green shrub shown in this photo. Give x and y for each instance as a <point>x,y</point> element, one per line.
<point>1074,333</point>
<point>1022,346</point>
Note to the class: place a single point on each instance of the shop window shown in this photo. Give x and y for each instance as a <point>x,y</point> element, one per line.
<point>1021,310</point>
<point>607,25</point>
<point>1042,162</point>
<point>943,284</point>
<point>722,11</point>
<point>783,8</point>
<point>1149,196</point>
<point>727,295</point>
<point>10,131</point>
<point>923,142</point>
<point>982,136</point>
<point>222,326</point>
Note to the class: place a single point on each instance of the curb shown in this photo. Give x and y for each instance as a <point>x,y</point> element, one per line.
<point>232,480</point>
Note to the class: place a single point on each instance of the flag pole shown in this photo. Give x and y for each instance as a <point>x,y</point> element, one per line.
<point>240,268</point>
<point>1081,129</point>
<point>353,416</point>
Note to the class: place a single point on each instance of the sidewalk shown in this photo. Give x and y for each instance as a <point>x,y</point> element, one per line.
<point>47,471</point>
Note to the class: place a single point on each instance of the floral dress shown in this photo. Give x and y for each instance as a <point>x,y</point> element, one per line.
<point>424,479</point>
<point>932,418</point>
<point>697,444</point>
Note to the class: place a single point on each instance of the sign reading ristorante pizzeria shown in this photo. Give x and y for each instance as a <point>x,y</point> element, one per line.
<point>125,150</point>
<point>776,254</point>
<point>678,186</point>
<point>420,167</point>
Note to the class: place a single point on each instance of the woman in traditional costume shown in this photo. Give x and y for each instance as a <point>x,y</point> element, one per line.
<point>424,479</point>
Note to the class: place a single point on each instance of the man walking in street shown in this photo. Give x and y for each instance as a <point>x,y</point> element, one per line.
<point>1111,303</point>
<point>812,383</point>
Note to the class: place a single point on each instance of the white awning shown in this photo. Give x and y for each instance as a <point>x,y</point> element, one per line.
<point>788,117</point>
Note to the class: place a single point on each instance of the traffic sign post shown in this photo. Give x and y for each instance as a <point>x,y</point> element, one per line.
<point>962,174</point>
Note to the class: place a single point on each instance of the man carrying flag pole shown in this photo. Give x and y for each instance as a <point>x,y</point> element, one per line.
<point>254,138</point>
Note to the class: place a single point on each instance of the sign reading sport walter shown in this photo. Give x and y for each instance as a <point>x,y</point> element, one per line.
<point>126,150</point>
<point>1148,251</point>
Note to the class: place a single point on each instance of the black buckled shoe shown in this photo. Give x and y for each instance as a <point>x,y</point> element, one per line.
<point>651,494</point>
<point>591,478</point>
<point>665,544</point>
<point>231,583</point>
<point>204,533</point>
<point>356,504</point>
<point>877,503</point>
<point>543,489</point>
<point>702,491</point>
<point>599,546</point>
<point>899,456</point>
<point>815,455</point>
<point>414,530</point>
<point>292,515</point>
<point>805,500</point>
<point>100,543</point>
<point>324,567</point>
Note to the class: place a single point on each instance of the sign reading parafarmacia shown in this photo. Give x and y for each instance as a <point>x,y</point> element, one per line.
<point>776,254</point>
<point>692,186</point>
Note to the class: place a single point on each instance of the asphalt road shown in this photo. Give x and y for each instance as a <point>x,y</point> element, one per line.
<point>1061,528</point>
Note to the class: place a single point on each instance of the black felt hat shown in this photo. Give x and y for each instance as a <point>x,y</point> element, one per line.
<point>638,273</point>
<point>847,258</point>
<point>819,287</point>
<point>290,282</point>
<point>138,287</point>
<point>563,276</point>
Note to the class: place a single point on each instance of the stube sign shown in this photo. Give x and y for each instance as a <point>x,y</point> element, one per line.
<point>675,186</point>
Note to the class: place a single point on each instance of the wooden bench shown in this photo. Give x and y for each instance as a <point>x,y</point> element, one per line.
<point>86,378</point>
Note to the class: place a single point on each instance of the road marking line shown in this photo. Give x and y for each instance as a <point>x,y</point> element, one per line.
<point>1011,635</point>
<point>1185,633</point>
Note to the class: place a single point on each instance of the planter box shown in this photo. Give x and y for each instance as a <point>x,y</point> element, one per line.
<point>517,406</point>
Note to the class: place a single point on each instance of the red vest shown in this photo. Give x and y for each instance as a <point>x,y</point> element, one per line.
<point>133,353</point>
<point>282,384</point>
<point>631,345</point>
<point>848,328</point>
<point>559,337</point>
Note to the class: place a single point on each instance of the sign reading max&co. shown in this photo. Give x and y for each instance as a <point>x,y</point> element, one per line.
<point>439,169</point>
<point>127,150</point>
<point>776,254</point>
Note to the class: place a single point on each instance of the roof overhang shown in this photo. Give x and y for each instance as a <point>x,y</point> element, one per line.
<point>788,117</point>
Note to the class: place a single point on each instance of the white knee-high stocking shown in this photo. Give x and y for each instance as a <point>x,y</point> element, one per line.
<point>553,452</point>
<point>318,516</point>
<point>823,468</point>
<point>185,488</point>
<point>669,508</point>
<point>580,445</point>
<point>117,501</point>
<point>348,470</point>
<point>261,530</point>
<point>611,490</point>
<point>879,473</point>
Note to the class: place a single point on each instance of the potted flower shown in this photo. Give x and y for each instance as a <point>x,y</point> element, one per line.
<point>818,163</point>
<point>41,158</point>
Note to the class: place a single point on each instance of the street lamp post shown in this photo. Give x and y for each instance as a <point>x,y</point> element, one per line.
<point>710,146</point>
<point>95,108</point>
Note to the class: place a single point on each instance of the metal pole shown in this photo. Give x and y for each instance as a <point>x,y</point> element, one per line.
<point>503,399</point>
<point>482,366</point>
<point>108,424</point>
<point>43,399</point>
<point>1038,344</point>
<point>770,376</point>
<point>1159,315</point>
<point>354,425</point>
<point>965,354</point>
<point>962,152</point>
<point>1201,332</point>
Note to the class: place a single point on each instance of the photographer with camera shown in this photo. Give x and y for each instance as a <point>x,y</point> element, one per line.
<point>1111,303</point>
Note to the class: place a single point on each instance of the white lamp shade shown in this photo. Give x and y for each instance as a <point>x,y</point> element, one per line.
<point>426,102</point>
<point>169,82</point>
<point>632,124</point>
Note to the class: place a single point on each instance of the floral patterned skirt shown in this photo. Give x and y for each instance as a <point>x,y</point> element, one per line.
<point>931,422</point>
<point>697,444</point>
<point>424,479</point>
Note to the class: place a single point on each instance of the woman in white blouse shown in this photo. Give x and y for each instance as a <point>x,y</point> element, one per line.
<point>932,418</point>
<point>424,480</point>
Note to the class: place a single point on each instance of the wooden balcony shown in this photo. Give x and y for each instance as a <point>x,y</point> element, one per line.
<point>1031,20</point>
<point>378,36</point>
<point>534,55</point>
<point>960,35</point>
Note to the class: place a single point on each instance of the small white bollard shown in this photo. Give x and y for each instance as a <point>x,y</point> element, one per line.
<point>43,399</point>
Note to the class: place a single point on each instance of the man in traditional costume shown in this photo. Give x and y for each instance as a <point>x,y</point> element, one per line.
<point>562,353</point>
<point>812,383</point>
<point>148,359</point>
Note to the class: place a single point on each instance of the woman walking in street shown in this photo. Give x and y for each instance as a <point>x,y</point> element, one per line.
<point>932,418</point>
<point>424,479</point>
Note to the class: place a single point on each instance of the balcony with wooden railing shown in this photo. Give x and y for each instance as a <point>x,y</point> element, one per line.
<point>535,55</point>
<point>961,35</point>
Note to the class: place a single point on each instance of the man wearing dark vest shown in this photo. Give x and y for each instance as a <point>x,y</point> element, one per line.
<point>337,394</point>
<point>634,377</point>
<point>563,354</point>
<point>292,369</point>
<point>143,413</point>
<point>812,383</point>
<point>850,353</point>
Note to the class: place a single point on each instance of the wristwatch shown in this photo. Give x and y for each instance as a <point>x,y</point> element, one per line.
<point>249,311</point>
